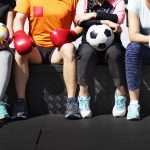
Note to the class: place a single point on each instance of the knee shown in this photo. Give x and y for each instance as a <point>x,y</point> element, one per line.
<point>85,51</point>
<point>68,51</point>
<point>134,49</point>
<point>6,56</point>
<point>20,58</point>
<point>114,53</point>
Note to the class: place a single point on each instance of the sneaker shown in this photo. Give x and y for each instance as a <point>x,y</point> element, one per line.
<point>119,109</point>
<point>3,111</point>
<point>133,112</point>
<point>72,109</point>
<point>20,109</point>
<point>84,106</point>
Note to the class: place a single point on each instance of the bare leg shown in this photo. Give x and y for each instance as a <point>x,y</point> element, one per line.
<point>22,70</point>
<point>83,91</point>
<point>120,91</point>
<point>134,94</point>
<point>67,54</point>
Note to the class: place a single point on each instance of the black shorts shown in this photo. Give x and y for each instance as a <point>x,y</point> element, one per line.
<point>46,54</point>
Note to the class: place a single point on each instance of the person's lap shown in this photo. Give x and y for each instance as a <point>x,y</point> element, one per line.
<point>35,56</point>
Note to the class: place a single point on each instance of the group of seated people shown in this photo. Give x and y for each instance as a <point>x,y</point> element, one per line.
<point>49,41</point>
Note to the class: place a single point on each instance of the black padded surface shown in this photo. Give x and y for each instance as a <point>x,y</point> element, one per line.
<point>98,133</point>
<point>54,132</point>
<point>46,91</point>
<point>20,135</point>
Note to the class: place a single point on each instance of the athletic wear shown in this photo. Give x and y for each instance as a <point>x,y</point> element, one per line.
<point>139,7</point>
<point>5,67</point>
<point>87,58</point>
<point>137,55</point>
<point>3,111</point>
<point>133,112</point>
<point>46,54</point>
<point>45,16</point>
<point>111,6</point>
<point>20,109</point>
<point>84,106</point>
<point>119,109</point>
<point>72,109</point>
<point>107,11</point>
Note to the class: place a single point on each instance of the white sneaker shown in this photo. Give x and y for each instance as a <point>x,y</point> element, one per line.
<point>133,112</point>
<point>119,109</point>
<point>84,106</point>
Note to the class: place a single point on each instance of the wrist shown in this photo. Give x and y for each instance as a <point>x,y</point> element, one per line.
<point>19,32</point>
<point>74,35</point>
<point>94,14</point>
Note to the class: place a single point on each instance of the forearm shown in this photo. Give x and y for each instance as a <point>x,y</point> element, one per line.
<point>89,19</point>
<point>137,37</point>
<point>108,23</point>
<point>135,34</point>
<point>19,22</point>
<point>9,22</point>
<point>102,16</point>
<point>78,30</point>
<point>107,16</point>
<point>88,23</point>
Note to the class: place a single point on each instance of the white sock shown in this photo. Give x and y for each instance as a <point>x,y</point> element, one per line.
<point>84,97</point>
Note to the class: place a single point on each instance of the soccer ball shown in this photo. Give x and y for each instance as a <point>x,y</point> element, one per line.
<point>100,37</point>
<point>4,34</point>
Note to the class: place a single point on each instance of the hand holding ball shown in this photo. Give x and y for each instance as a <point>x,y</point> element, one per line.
<point>100,37</point>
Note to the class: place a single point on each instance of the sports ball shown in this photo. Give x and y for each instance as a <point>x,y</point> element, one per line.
<point>100,37</point>
<point>4,34</point>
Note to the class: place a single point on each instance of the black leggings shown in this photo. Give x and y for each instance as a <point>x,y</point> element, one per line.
<point>88,57</point>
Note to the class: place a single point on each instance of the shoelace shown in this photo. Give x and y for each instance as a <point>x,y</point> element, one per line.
<point>120,103</point>
<point>72,104</point>
<point>3,107</point>
<point>84,104</point>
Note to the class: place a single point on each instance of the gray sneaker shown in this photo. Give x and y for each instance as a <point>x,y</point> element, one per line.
<point>20,110</point>
<point>72,109</point>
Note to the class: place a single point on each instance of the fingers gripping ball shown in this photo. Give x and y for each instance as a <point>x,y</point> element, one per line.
<point>100,37</point>
<point>4,33</point>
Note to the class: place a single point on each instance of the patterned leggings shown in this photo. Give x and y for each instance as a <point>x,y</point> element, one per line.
<point>136,56</point>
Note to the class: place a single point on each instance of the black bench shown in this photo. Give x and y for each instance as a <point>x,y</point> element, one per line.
<point>46,92</point>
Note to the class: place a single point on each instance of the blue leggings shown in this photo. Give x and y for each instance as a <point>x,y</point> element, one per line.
<point>136,56</point>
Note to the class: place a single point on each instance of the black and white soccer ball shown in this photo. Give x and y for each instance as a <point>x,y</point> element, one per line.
<point>100,37</point>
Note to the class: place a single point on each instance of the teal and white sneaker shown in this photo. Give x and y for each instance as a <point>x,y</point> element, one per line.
<point>3,111</point>
<point>133,112</point>
<point>119,109</point>
<point>84,107</point>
